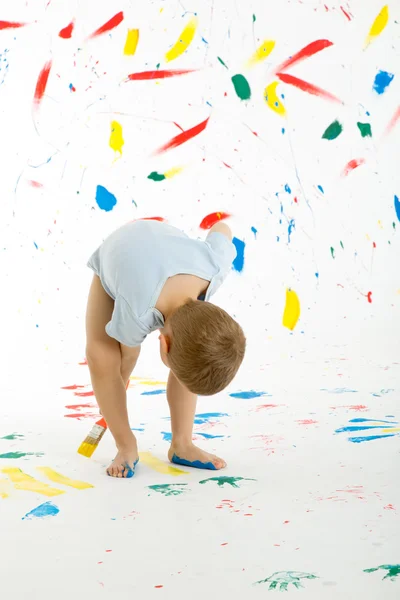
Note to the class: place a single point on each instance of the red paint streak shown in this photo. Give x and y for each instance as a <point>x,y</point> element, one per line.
<point>247,515</point>
<point>72,88</point>
<point>389,507</point>
<point>295,199</point>
<point>111,24</point>
<point>213,218</point>
<point>144,75</point>
<point>84,362</point>
<point>305,86</point>
<point>158,586</point>
<point>226,165</point>
<point>178,126</point>
<point>152,219</point>
<point>369,296</point>
<point>345,13</point>
<point>351,165</point>
<point>304,53</point>
<point>108,550</point>
<point>11,25</point>
<point>80,416</point>
<point>393,121</point>
<point>262,406</point>
<point>373,245</point>
<point>286,522</point>
<point>35,184</point>
<point>72,387</point>
<point>183,137</point>
<point>224,544</point>
<point>358,407</point>
<point>42,83</point>
<point>66,32</point>
<point>78,406</point>
<point>84,394</point>
<point>306,422</point>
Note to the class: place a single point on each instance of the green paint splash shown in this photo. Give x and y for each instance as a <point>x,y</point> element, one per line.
<point>333,251</point>
<point>232,481</point>
<point>332,131</point>
<point>254,18</point>
<point>168,489</point>
<point>341,243</point>
<point>241,86</point>
<point>154,176</point>
<point>365,129</point>
<point>13,436</point>
<point>20,454</point>
<point>282,579</point>
<point>222,62</point>
<point>392,571</point>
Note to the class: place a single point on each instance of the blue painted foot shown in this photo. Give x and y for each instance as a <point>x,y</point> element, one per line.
<point>196,463</point>
<point>131,472</point>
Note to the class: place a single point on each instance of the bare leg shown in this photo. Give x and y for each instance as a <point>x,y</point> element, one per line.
<point>182,406</point>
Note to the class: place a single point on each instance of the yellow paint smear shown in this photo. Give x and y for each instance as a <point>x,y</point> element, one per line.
<point>25,482</point>
<point>272,99</point>
<point>4,488</point>
<point>171,172</point>
<point>132,39</point>
<point>394,430</point>
<point>183,41</point>
<point>58,478</point>
<point>291,313</point>
<point>378,25</point>
<point>158,465</point>
<point>147,381</point>
<point>262,52</point>
<point>116,139</point>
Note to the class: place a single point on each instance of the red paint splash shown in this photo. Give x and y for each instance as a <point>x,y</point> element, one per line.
<point>345,13</point>
<point>183,137</point>
<point>150,219</point>
<point>111,24</point>
<point>84,394</point>
<point>213,218</point>
<point>72,387</point>
<point>304,53</point>
<point>158,586</point>
<point>144,75</point>
<point>373,245</point>
<point>11,25</point>
<point>66,32</point>
<point>389,507</point>
<point>35,184</point>
<point>393,121</point>
<point>307,422</point>
<point>42,83</point>
<point>307,87</point>
<point>369,297</point>
<point>263,406</point>
<point>351,165</point>
<point>78,406</point>
<point>80,416</point>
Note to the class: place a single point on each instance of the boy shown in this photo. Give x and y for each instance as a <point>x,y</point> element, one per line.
<point>149,276</point>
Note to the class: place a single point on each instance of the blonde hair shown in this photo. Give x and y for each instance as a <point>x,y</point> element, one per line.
<point>207,347</point>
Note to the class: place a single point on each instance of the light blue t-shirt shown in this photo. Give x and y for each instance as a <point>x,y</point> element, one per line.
<point>136,260</point>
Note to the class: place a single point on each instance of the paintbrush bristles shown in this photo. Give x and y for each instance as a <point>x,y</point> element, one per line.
<point>91,441</point>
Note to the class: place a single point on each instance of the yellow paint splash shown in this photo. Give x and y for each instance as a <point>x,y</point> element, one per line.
<point>291,313</point>
<point>58,478</point>
<point>378,25</point>
<point>171,172</point>
<point>262,52</point>
<point>25,482</point>
<point>394,430</point>
<point>147,381</point>
<point>4,488</point>
<point>158,465</point>
<point>132,39</point>
<point>183,41</point>
<point>272,99</point>
<point>116,139</point>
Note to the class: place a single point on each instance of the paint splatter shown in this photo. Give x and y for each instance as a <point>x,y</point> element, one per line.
<point>305,86</point>
<point>241,86</point>
<point>202,418</point>
<point>212,219</point>
<point>131,42</point>
<point>272,99</point>
<point>365,129</point>
<point>48,509</point>
<point>393,571</point>
<point>25,482</point>
<point>291,226</point>
<point>361,424</point>
<point>287,188</point>
<point>20,454</point>
<point>167,436</point>
<point>4,488</point>
<point>153,393</point>
<point>304,53</point>
<point>183,41</point>
<point>291,311</point>
<point>382,81</point>
<point>351,165</point>
<point>222,62</point>
<point>109,25</point>
<point>369,297</point>
<point>393,121</point>
<point>332,252</point>
<point>238,263</point>
<point>207,436</point>
<point>13,436</point>
<point>378,25</point>
<point>154,176</point>
<point>105,199</point>
<point>42,83</point>
<point>224,480</point>
<point>169,489</point>
<point>282,579</point>
<point>254,230</point>
<point>162,74</point>
<point>66,32</point>
<point>262,52</point>
<point>321,189</point>
<point>247,395</point>
<point>183,137</point>
<point>397,207</point>
<point>58,478</point>
<point>116,138</point>
<point>11,25</point>
<point>332,131</point>
<point>158,465</point>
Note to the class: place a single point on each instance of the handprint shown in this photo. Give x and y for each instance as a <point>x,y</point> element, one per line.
<point>392,571</point>
<point>284,578</point>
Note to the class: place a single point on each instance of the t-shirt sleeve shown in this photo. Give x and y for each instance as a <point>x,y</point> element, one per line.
<point>124,326</point>
<point>223,249</point>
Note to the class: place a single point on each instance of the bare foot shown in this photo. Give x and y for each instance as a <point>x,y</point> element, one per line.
<point>190,453</point>
<point>123,464</point>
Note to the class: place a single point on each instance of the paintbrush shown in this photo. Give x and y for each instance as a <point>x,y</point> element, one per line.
<point>92,440</point>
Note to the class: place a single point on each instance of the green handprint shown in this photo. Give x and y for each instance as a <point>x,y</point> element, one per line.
<point>392,571</point>
<point>284,578</point>
<point>228,480</point>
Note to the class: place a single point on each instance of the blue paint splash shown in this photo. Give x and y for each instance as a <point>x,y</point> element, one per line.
<point>291,226</point>
<point>316,275</point>
<point>208,436</point>
<point>202,418</point>
<point>369,438</point>
<point>359,428</point>
<point>238,263</point>
<point>382,80</point>
<point>167,436</point>
<point>321,189</point>
<point>153,393</point>
<point>287,189</point>
<point>339,391</point>
<point>247,395</point>
<point>359,420</point>
<point>397,207</point>
<point>254,230</point>
<point>48,509</point>
<point>4,65</point>
<point>105,199</point>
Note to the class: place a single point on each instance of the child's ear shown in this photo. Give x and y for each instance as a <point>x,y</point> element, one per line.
<point>165,343</point>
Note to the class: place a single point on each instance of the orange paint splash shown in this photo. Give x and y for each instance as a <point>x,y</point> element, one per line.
<point>42,83</point>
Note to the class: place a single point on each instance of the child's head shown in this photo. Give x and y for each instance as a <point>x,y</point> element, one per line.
<point>206,347</point>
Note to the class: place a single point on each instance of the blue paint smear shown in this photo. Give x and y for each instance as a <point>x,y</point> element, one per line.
<point>369,438</point>
<point>208,436</point>
<point>372,421</point>
<point>153,393</point>
<point>48,509</point>
<point>283,130</point>
<point>254,230</point>
<point>131,472</point>
<point>382,80</point>
<point>359,428</point>
<point>339,391</point>
<point>397,207</point>
<point>317,275</point>
<point>291,226</point>
<point>287,189</point>
<point>321,189</point>
<point>196,463</point>
<point>247,395</point>
<point>238,263</point>
<point>202,418</point>
<point>137,428</point>
<point>167,437</point>
<point>36,246</point>
<point>105,199</point>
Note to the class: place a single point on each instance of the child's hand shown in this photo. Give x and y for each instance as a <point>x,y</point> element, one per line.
<point>124,463</point>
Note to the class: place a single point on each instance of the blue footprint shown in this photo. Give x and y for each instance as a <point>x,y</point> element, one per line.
<point>131,472</point>
<point>196,463</point>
